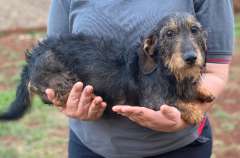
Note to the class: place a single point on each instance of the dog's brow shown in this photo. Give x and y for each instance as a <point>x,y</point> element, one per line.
<point>172,24</point>
<point>192,22</point>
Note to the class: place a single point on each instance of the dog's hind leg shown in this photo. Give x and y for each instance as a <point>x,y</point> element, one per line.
<point>190,112</point>
<point>61,83</point>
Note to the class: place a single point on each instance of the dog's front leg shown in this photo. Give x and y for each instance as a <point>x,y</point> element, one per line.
<point>190,112</point>
<point>204,95</point>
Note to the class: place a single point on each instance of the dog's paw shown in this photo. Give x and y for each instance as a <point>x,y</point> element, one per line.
<point>204,95</point>
<point>194,118</point>
<point>209,98</point>
<point>191,113</point>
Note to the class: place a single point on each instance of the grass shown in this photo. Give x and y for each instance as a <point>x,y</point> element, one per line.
<point>224,118</point>
<point>42,133</point>
<point>237,26</point>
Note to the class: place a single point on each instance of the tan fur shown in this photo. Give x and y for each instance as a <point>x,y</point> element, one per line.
<point>178,67</point>
<point>192,22</point>
<point>31,94</point>
<point>149,45</point>
<point>171,25</point>
<point>190,112</point>
<point>175,62</point>
<point>200,60</point>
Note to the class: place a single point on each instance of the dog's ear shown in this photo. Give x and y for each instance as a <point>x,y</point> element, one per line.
<point>205,36</point>
<point>150,44</point>
<point>204,46</point>
<point>147,56</point>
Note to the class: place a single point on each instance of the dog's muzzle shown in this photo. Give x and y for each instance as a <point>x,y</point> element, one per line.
<point>190,57</point>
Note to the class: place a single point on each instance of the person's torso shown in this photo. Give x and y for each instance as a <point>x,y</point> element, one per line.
<point>133,17</point>
<point>121,138</point>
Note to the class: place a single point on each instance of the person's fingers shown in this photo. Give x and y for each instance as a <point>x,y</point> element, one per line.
<point>73,99</point>
<point>127,110</point>
<point>51,96</point>
<point>96,108</point>
<point>75,94</point>
<point>140,115</point>
<point>85,100</point>
<point>173,114</point>
<point>81,103</point>
<point>123,110</point>
<point>166,119</point>
<point>136,114</point>
<point>170,112</point>
<point>102,109</point>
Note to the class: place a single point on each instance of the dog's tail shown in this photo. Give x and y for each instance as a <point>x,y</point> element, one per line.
<point>22,101</point>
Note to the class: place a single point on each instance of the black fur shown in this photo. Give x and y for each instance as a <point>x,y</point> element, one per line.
<point>20,105</point>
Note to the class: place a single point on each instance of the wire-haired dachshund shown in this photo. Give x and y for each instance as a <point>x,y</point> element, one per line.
<point>165,67</point>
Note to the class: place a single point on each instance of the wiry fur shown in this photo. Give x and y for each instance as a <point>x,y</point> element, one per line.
<point>149,74</point>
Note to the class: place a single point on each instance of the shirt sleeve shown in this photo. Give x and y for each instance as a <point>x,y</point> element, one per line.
<point>217,18</point>
<point>58,19</point>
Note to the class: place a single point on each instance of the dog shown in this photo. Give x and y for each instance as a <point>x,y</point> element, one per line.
<point>165,67</point>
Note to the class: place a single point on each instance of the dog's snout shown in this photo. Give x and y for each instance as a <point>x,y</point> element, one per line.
<point>190,57</point>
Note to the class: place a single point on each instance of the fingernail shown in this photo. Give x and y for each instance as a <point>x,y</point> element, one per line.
<point>163,106</point>
<point>89,89</point>
<point>79,84</point>
<point>115,109</point>
<point>47,91</point>
<point>103,105</point>
<point>99,99</point>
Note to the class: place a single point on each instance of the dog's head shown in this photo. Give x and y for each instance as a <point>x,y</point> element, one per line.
<point>179,42</point>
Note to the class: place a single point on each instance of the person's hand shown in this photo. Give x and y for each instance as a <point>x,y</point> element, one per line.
<point>81,103</point>
<point>167,119</point>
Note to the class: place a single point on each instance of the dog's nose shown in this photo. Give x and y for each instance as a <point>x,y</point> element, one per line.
<point>190,57</point>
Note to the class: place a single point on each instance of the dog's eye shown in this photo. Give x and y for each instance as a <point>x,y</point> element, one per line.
<point>194,29</point>
<point>170,33</point>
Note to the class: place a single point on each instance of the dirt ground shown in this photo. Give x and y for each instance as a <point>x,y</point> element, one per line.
<point>224,117</point>
<point>32,13</point>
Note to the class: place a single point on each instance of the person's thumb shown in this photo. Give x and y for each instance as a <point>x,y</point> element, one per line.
<point>50,94</point>
<point>170,112</point>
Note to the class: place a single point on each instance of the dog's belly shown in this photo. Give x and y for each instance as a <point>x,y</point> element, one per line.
<point>156,90</point>
<point>156,100</point>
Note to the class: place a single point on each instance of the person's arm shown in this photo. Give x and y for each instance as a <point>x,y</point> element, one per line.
<point>82,103</point>
<point>218,20</point>
<point>214,80</point>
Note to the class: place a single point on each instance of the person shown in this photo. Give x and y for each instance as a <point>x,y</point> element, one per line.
<point>141,132</point>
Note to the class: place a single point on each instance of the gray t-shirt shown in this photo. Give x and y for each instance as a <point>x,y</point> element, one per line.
<point>122,138</point>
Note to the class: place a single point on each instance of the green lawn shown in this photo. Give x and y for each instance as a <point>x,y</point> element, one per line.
<point>237,26</point>
<point>41,134</point>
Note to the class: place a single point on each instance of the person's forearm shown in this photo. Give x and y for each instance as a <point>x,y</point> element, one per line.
<point>214,80</point>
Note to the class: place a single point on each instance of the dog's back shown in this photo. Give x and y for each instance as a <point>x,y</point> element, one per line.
<point>106,64</point>
<point>58,63</point>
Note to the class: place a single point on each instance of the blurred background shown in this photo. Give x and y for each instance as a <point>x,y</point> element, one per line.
<point>43,132</point>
